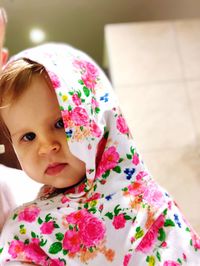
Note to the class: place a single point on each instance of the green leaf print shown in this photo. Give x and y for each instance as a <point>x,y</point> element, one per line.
<point>14,216</point>
<point>169,222</point>
<point>65,252</point>
<point>91,249</point>
<point>117,210</point>
<point>127,217</point>
<point>117,169</point>
<point>120,160</point>
<point>40,221</point>
<point>165,212</point>
<point>106,133</point>
<point>48,217</point>
<point>81,82</point>
<point>79,94</point>
<point>43,242</point>
<point>139,233</point>
<point>162,235</point>
<point>55,248</point>
<point>106,174</point>
<point>179,261</point>
<point>69,108</point>
<point>56,225</point>
<point>86,91</point>
<point>1,249</point>
<point>33,235</point>
<point>132,150</point>
<point>129,156</point>
<point>93,210</point>
<point>26,242</point>
<point>97,110</point>
<point>71,227</point>
<point>109,215</point>
<point>59,236</point>
<point>158,256</point>
<point>86,205</point>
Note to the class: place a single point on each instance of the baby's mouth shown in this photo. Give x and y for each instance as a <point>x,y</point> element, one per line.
<point>55,168</point>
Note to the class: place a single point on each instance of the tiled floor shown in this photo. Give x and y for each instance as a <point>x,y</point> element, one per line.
<point>155,69</point>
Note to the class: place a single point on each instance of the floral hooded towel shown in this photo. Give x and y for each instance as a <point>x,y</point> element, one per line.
<point>119,215</point>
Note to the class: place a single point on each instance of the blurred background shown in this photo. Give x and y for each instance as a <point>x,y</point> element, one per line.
<point>81,22</point>
<point>150,50</point>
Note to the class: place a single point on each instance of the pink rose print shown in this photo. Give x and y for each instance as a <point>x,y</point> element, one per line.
<point>140,175</point>
<point>79,64</point>
<point>75,217</point>
<point>47,228</point>
<point>126,259</point>
<point>147,242</point>
<point>171,263</point>
<point>121,125</point>
<point>79,116</point>
<point>76,99</point>
<point>72,241</point>
<point>195,241</point>
<point>136,188</point>
<point>91,69</point>
<point>119,221</point>
<point>108,161</point>
<point>29,214</point>
<point>135,159</point>
<point>54,80</point>
<point>92,230</point>
<point>66,116</point>
<point>94,103</point>
<point>94,197</point>
<point>95,130</point>
<point>64,199</point>
<point>153,195</point>
<point>55,262</point>
<point>81,188</point>
<point>16,248</point>
<point>151,236</point>
<point>86,67</point>
<point>100,149</point>
<point>34,253</point>
<point>89,73</point>
<point>89,81</point>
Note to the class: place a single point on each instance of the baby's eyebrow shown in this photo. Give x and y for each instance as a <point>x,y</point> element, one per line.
<point>20,132</point>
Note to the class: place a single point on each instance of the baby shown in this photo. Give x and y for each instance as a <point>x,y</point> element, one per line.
<point>99,205</point>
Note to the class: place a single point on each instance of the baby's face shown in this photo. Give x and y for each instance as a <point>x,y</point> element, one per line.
<point>39,139</point>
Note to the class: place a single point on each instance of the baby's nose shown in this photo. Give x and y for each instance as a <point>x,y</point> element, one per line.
<point>49,147</point>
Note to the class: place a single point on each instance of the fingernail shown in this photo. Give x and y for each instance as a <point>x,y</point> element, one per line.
<point>3,15</point>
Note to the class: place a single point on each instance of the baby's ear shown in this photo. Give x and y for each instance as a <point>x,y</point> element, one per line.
<point>4,55</point>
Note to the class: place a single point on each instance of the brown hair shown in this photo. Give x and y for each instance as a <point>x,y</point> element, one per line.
<point>14,80</point>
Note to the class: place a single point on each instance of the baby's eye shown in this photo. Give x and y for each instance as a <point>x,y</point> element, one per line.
<point>59,123</point>
<point>30,136</point>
